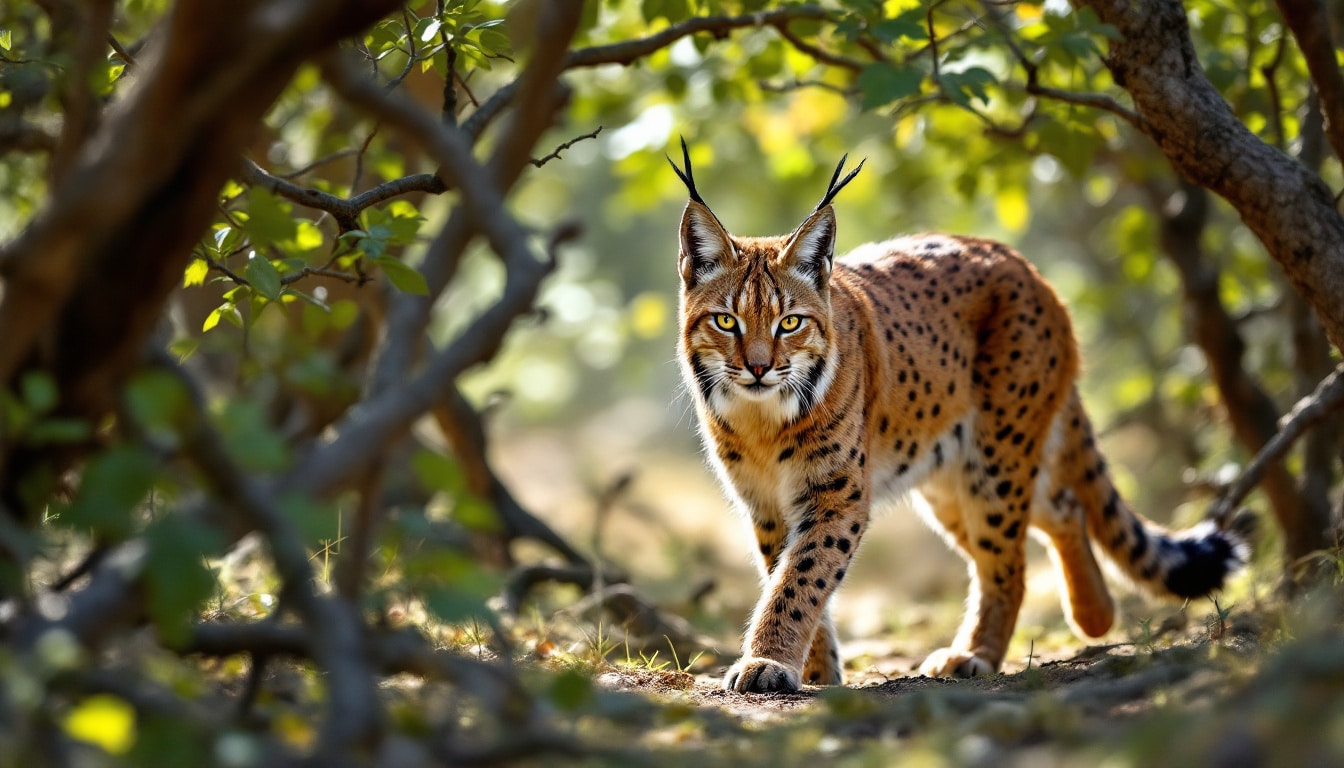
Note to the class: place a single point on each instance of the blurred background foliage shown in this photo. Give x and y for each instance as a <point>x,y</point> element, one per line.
<point>586,392</point>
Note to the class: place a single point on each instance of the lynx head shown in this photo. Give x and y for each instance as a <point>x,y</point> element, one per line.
<point>756,328</point>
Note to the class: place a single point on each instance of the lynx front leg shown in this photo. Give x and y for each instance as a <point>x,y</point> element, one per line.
<point>789,615</point>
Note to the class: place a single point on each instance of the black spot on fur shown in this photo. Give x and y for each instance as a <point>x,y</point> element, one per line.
<point>786,453</point>
<point>806,564</point>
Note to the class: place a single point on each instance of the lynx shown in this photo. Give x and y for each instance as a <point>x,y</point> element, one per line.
<point>938,364</point>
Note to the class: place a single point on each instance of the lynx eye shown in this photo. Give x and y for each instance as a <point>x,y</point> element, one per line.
<point>725,321</point>
<point>790,323</point>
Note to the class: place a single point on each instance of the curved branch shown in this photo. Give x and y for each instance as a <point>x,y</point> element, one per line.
<point>1309,411</point>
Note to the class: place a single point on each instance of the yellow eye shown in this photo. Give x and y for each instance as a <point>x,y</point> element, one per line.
<point>725,321</point>
<point>790,323</point>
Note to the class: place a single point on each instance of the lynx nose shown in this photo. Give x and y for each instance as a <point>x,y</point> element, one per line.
<point>757,370</point>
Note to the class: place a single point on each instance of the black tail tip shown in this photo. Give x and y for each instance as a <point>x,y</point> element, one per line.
<point>1207,555</point>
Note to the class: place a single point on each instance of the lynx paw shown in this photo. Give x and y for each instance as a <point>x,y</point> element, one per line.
<point>757,675</point>
<point>948,662</point>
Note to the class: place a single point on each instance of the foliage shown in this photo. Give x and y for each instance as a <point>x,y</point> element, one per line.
<point>984,118</point>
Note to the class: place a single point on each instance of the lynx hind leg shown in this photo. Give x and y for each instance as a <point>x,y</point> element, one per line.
<point>993,549</point>
<point>823,658</point>
<point>1087,603</point>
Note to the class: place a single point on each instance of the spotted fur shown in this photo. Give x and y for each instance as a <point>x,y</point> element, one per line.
<point>940,364</point>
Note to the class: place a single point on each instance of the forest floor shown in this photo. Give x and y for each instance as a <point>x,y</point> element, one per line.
<point>1192,698</point>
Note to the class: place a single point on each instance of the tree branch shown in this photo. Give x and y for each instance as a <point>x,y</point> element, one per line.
<point>1309,411</point>
<point>555,153</point>
<point>408,315</point>
<point>1311,27</point>
<point>332,627</point>
<point>1287,206</point>
<point>345,210</point>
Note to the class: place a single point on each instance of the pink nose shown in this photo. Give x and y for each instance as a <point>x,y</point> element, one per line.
<point>757,370</point>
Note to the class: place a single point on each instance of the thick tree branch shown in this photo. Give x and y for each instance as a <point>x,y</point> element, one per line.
<point>1250,410</point>
<point>86,282</point>
<point>1311,27</point>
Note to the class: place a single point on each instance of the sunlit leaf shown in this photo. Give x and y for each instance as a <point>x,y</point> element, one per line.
<point>103,720</point>
<point>196,273</point>
<point>268,218</point>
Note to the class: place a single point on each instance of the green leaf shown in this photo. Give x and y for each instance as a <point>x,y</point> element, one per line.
<point>405,277</point>
<point>316,521</point>
<point>909,24</point>
<point>38,390</point>
<point>438,472</point>
<point>570,690</point>
<point>961,87</point>
<point>196,273</point>
<point>249,438</point>
<point>59,431</point>
<point>268,218</point>
<point>177,579</point>
<point>263,276</point>
<point>159,403</point>
<point>6,39</point>
<point>308,237</point>
<point>426,29</point>
<point>114,482</point>
<point>883,83</point>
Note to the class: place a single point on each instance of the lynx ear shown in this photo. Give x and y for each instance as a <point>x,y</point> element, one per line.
<point>705,246</point>
<point>811,249</point>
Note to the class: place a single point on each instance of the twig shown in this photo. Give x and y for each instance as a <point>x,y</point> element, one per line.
<point>524,579</point>
<point>799,83</point>
<point>823,56</point>
<point>1033,86</point>
<point>319,162</point>
<point>448,146</point>
<point>345,210</point>
<point>555,154</point>
<point>121,50</point>
<point>629,51</point>
<point>411,57</point>
<point>1309,411</point>
<point>461,424</point>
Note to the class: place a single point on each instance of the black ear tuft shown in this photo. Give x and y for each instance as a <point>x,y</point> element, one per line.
<point>687,178</point>
<point>833,188</point>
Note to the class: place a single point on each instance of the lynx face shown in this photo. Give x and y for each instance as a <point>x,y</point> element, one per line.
<point>756,321</point>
